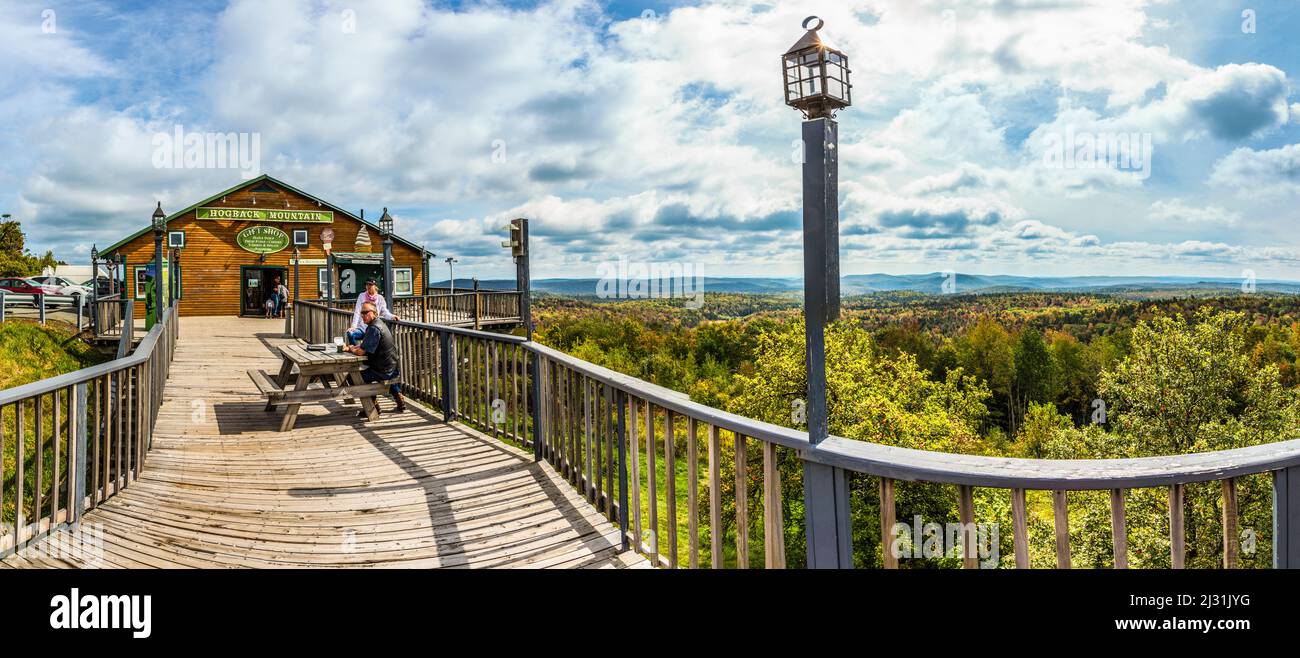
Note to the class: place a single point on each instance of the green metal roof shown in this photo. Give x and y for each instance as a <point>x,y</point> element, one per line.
<point>240,186</point>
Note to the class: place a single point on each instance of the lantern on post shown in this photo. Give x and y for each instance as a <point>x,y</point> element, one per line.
<point>386,231</point>
<point>157,294</point>
<point>816,75</point>
<point>816,79</point>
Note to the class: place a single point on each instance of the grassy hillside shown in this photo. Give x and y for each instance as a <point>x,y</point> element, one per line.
<point>30,352</point>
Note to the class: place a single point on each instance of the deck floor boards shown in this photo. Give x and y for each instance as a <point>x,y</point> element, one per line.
<point>222,487</point>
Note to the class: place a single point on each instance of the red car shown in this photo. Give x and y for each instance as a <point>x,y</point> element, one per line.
<point>25,290</point>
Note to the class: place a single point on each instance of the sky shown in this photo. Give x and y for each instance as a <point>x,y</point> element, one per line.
<point>657,131</point>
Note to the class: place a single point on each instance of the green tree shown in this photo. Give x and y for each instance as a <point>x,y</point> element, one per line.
<point>15,260</point>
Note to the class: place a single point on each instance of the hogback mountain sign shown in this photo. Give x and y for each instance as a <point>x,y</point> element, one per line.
<point>262,239</point>
<point>267,215</point>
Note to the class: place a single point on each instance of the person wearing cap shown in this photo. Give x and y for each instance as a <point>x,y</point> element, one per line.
<point>371,296</point>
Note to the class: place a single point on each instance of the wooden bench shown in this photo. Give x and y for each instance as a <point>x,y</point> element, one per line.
<point>275,395</point>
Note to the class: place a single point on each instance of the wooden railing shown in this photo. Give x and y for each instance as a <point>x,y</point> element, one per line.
<point>108,315</point>
<point>620,442</point>
<point>79,438</point>
<point>461,309</point>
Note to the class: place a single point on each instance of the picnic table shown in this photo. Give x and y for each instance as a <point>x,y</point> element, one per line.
<point>338,372</point>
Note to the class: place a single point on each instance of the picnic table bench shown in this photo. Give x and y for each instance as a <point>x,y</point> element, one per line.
<point>338,372</point>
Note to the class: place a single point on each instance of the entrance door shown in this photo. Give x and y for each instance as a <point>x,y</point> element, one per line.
<point>255,286</point>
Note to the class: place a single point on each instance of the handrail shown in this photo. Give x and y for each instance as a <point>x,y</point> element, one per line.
<point>96,427</point>
<point>594,425</point>
<point>140,356</point>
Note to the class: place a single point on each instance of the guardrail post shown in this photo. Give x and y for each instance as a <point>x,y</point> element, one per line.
<point>80,425</point>
<point>1286,518</point>
<point>76,301</point>
<point>536,400</point>
<point>40,303</point>
<point>3,307</point>
<point>448,375</point>
<point>826,510</point>
<point>623,504</point>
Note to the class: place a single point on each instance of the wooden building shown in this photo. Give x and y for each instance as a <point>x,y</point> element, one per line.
<point>230,247</point>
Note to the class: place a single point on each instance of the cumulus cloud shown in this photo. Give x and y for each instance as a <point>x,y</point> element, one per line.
<point>1249,172</point>
<point>1175,210</point>
<point>657,136</point>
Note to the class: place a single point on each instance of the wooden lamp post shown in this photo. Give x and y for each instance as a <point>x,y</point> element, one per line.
<point>816,79</point>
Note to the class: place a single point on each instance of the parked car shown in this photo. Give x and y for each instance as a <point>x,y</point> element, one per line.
<point>105,285</point>
<point>62,286</point>
<point>24,291</point>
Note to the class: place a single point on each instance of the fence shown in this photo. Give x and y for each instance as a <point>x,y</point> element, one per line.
<point>621,442</point>
<point>79,438</point>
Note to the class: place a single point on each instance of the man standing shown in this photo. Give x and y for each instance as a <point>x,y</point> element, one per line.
<point>281,298</point>
<point>381,354</point>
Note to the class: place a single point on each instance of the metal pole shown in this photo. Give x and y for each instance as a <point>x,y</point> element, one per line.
<point>389,286</point>
<point>329,281</point>
<point>424,271</point>
<point>297,256</point>
<point>158,293</point>
<point>451,275</point>
<point>3,306</point>
<point>825,487</point>
<point>76,301</point>
<point>40,297</point>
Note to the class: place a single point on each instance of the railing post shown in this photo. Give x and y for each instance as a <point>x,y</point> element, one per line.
<point>1286,518</point>
<point>80,425</point>
<point>623,504</point>
<point>448,375</point>
<point>826,511</point>
<point>40,303</point>
<point>535,395</point>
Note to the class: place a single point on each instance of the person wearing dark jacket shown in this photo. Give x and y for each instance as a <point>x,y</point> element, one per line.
<point>382,357</point>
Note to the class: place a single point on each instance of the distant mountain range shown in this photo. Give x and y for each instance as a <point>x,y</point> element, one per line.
<point>862,284</point>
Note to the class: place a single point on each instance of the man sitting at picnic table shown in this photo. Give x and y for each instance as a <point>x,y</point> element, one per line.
<point>381,354</point>
<point>370,296</point>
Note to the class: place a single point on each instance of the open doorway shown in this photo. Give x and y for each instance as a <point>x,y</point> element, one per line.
<point>256,285</point>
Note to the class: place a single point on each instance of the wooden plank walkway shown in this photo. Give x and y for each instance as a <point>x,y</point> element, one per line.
<point>223,488</point>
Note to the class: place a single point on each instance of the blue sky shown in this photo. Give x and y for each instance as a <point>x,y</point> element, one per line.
<point>657,131</point>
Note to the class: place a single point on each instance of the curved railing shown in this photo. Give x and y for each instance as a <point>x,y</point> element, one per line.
<point>615,438</point>
<point>467,308</point>
<point>89,432</point>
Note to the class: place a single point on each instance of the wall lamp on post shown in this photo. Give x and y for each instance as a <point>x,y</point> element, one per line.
<point>816,82</point>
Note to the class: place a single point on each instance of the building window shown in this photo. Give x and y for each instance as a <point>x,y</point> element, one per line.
<point>300,238</point>
<point>403,282</point>
<point>322,281</point>
<point>176,239</point>
<point>141,281</point>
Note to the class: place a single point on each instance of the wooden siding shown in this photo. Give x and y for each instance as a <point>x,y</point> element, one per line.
<point>210,262</point>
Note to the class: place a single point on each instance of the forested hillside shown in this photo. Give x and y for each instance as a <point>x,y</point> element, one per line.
<point>1039,375</point>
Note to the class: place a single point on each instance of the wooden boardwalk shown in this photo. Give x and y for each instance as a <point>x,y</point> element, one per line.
<point>222,488</point>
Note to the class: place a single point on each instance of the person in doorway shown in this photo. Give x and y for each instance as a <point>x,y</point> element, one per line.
<point>281,297</point>
<point>370,296</point>
<point>273,300</point>
<point>382,358</point>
